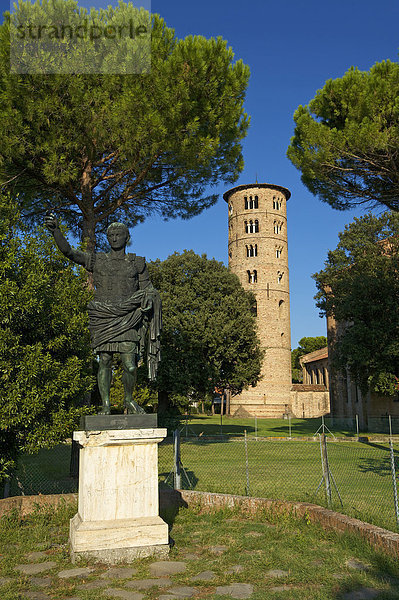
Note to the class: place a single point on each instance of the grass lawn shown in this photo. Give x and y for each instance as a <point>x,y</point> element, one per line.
<point>278,469</point>
<point>279,556</point>
<point>214,425</point>
<point>292,470</point>
<point>46,472</point>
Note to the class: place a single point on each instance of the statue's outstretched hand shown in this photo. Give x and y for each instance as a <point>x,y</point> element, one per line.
<point>51,221</point>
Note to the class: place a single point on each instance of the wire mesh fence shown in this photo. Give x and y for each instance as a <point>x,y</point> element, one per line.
<point>360,474</point>
<point>288,427</point>
<point>45,472</point>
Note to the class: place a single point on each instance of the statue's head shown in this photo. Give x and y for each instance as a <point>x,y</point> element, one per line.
<point>118,235</point>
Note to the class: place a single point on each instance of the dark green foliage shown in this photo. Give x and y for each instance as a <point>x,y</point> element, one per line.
<point>209,337</point>
<point>126,146</point>
<point>45,354</point>
<point>360,287</point>
<point>143,394</point>
<point>346,141</point>
<point>306,345</point>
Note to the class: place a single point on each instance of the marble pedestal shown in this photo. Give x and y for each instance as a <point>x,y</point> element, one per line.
<point>117,517</point>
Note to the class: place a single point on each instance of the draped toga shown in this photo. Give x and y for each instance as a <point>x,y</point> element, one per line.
<point>125,314</point>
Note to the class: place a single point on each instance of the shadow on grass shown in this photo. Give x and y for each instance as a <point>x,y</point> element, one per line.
<point>213,429</point>
<point>170,502</point>
<point>381,466</point>
<point>308,428</point>
<point>46,472</point>
<point>188,480</point>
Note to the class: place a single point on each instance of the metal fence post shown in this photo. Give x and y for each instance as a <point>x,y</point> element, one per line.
<point>246,459</point>
<point>256,427</point>
<point>326,469</point>
<point>395,489</point>
<point>177,461</point>
<point>357,426</point>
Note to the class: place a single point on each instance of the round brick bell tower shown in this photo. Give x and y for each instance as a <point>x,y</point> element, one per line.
<point>258,255</point>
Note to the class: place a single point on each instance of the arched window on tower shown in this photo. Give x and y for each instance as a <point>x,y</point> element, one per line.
<point>252,276</point>
<point>278,251</point>
<point>251,203</point>
<point>277,226</point>
<point>251,226</point>
<point>252,250</point>
<point>246,227</point>
<point>256,226</point>
<point>281,309</point>
<point>279,276</point>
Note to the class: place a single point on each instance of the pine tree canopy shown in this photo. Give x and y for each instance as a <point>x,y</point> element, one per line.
<point>346,141</point>
<point>123,146</point>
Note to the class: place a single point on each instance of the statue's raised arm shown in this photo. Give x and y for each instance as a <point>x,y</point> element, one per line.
<point>77,256</point>
<point>125,312</point>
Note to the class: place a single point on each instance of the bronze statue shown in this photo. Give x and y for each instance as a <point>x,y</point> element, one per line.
<point>125,310</point>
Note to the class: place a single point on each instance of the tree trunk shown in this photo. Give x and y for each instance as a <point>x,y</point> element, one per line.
<point>89,233</point>
<point>89,242</point>
<point>228,398</point>
<point>89,220</point>
<point>163,402</point>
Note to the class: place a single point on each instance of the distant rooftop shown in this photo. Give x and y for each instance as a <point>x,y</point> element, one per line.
<point>313,356</point>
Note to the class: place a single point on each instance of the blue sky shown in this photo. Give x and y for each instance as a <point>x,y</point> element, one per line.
<point>292,48</point>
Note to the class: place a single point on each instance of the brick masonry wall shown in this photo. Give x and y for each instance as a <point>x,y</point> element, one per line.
<point>310,404</point>
<point>273,303</point>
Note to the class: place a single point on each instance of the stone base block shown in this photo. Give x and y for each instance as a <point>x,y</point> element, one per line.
<point>120,540</point>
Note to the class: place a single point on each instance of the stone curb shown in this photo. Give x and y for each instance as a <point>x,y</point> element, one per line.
<point>28,504</point>
<point>380,538</point>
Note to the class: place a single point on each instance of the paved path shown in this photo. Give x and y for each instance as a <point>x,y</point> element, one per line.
<point>40,576</point>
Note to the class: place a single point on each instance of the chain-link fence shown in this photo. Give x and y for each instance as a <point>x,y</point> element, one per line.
<point>354,477</point>
<point>343,427</point>
<point>351,477</point>
<point>45,472</point>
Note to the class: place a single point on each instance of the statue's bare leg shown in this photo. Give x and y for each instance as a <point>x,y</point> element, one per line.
<point>129,381</point>
<point>104,380</point>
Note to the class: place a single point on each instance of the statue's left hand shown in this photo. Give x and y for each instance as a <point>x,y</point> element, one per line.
<point>50,221</point>
<point>147,306</point>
